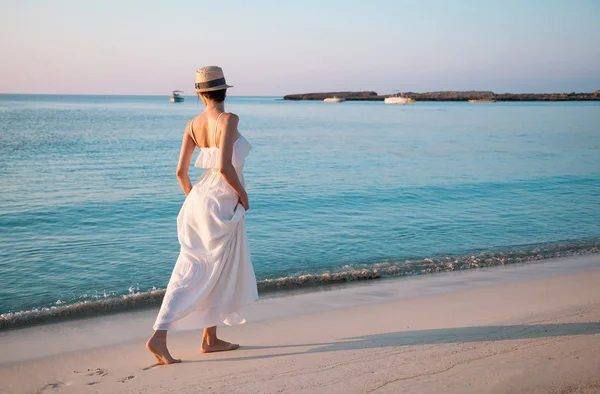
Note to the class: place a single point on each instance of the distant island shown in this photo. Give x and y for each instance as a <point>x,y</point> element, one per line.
<point>451,96</point>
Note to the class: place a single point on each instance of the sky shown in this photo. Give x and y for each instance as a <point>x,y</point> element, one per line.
<point>280,47</point>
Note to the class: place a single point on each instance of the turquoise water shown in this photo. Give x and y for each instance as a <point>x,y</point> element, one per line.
<point>89,197</point>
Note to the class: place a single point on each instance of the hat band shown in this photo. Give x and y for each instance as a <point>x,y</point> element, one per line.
<point>210,84</point>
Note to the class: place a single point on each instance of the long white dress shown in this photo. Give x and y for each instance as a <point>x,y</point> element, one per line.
<point>213,277</point>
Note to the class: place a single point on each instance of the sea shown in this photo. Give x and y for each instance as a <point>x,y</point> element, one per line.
<point>339,192</point>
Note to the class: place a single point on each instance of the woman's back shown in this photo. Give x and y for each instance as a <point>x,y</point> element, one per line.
<point>205,129</point>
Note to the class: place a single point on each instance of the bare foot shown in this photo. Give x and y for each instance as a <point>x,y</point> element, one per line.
<point>159,349</point>
<point>218,346</point>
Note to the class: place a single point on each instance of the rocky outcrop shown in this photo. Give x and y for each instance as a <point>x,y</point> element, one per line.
<point>547,97</point>
<point>452,96</point>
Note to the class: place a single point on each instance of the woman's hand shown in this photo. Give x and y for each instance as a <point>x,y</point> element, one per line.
<point>243,199</point>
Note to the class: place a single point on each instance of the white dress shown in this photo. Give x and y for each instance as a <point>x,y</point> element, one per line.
<point>213,277</point>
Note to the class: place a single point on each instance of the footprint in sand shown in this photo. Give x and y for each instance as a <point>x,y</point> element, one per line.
<point>126,378</point>
<point>52,386</point>
<point>97,371</point>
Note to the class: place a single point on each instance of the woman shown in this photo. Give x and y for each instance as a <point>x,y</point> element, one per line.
<point>213,277</point>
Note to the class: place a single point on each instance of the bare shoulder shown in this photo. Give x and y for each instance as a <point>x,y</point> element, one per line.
<point>193,122</point>
<point>189,125</point>
<point>231,120</point>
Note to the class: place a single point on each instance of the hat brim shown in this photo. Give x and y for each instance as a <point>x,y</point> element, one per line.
<point>220,87</point>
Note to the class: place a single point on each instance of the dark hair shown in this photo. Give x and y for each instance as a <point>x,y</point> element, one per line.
<point>216,95</point>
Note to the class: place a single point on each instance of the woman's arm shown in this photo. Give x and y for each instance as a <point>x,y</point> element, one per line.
<point>229,134</point>
<point>185,157</point>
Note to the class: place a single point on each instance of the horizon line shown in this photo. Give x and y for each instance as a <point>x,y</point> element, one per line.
<point>119,94</point>
<point>278,95</point>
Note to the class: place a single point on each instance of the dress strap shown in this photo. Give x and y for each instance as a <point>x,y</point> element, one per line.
<point>217,128</point>
<point>192,131</point>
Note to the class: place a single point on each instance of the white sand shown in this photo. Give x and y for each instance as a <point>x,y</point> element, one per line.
<point>528,328</point>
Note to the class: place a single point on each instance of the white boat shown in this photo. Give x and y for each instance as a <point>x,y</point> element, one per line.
<point>486,101</point>
<point>176,97</point>
<point>398,99</point>
<point>334,100</point>
<point>395,100</point>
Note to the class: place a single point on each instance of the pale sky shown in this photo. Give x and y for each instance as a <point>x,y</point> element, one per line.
<point>284,46</point>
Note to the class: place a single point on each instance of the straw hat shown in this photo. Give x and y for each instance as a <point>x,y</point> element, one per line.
<point>210,78</point>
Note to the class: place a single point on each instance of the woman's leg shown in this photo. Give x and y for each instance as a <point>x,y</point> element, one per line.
<point>210,342</point>
<point>157,344</point>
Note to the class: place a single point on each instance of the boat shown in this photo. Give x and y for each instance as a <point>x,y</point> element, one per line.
<point>176,97</point>
<point>482,101</point>
<point>398,99</point>
<point>334,99</point>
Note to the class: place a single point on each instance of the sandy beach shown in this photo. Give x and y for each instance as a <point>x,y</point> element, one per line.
<point>523,328</point>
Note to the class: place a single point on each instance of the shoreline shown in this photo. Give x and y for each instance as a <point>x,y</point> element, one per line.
<point>424,333</point>
<point>312,281</point>
<point>450,96</point>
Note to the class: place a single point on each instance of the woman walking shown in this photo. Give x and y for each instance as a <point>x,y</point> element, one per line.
<point>213,277</point>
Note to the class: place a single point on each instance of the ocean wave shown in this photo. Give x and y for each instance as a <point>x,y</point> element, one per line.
<point>432,265</point>
<point>137,300</point>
